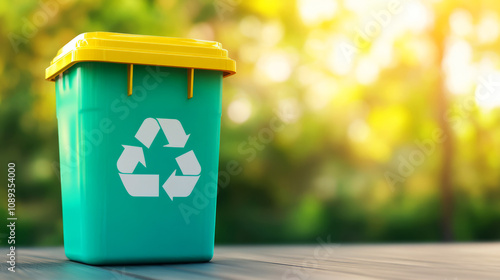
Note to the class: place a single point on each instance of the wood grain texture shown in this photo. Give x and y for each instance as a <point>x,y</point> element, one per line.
<point>419,261</point>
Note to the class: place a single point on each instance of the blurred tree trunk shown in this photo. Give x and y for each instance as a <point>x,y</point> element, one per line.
<point>442,105</point>
<point>446,168</point>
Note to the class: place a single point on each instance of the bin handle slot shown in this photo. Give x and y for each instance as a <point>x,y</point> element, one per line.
<point>190,80</point>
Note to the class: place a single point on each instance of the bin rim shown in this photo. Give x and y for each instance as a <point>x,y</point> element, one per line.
<point>141,50</point>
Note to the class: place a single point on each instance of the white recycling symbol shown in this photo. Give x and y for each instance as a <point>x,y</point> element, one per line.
<point>149,184</point>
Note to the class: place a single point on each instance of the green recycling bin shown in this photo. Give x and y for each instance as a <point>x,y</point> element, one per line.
<point>139,128</point>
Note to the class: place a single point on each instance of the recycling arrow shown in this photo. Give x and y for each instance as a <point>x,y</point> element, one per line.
<point>182,186</point>
<point>141,184</point>
<point>129,159</point>
<point>179,186</point>
<point>147,185</point>
<point>147,132</point>
<point>174,132</point>
<point>188,163</point>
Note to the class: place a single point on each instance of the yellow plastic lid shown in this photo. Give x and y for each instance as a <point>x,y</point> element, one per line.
<point>141,49</point>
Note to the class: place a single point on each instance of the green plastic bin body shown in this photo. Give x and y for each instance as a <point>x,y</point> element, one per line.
<point>97,121</point>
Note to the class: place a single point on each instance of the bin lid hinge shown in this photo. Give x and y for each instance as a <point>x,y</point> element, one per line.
<point>130,75</point>
<point>190,79</point>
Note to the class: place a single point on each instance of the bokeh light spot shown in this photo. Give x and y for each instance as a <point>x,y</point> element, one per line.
<point>239,110</point>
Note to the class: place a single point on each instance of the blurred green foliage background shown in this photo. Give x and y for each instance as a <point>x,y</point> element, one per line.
<point>370,121</point>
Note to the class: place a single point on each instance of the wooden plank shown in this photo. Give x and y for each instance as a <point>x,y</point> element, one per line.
<point>422,261</point>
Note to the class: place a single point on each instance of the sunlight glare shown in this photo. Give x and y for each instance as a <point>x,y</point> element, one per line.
<point>316,11</point>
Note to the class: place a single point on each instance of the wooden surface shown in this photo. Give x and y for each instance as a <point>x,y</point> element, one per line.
<point>422,261</point>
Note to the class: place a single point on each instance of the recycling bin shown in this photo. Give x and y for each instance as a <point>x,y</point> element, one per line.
<point>139,127</point>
